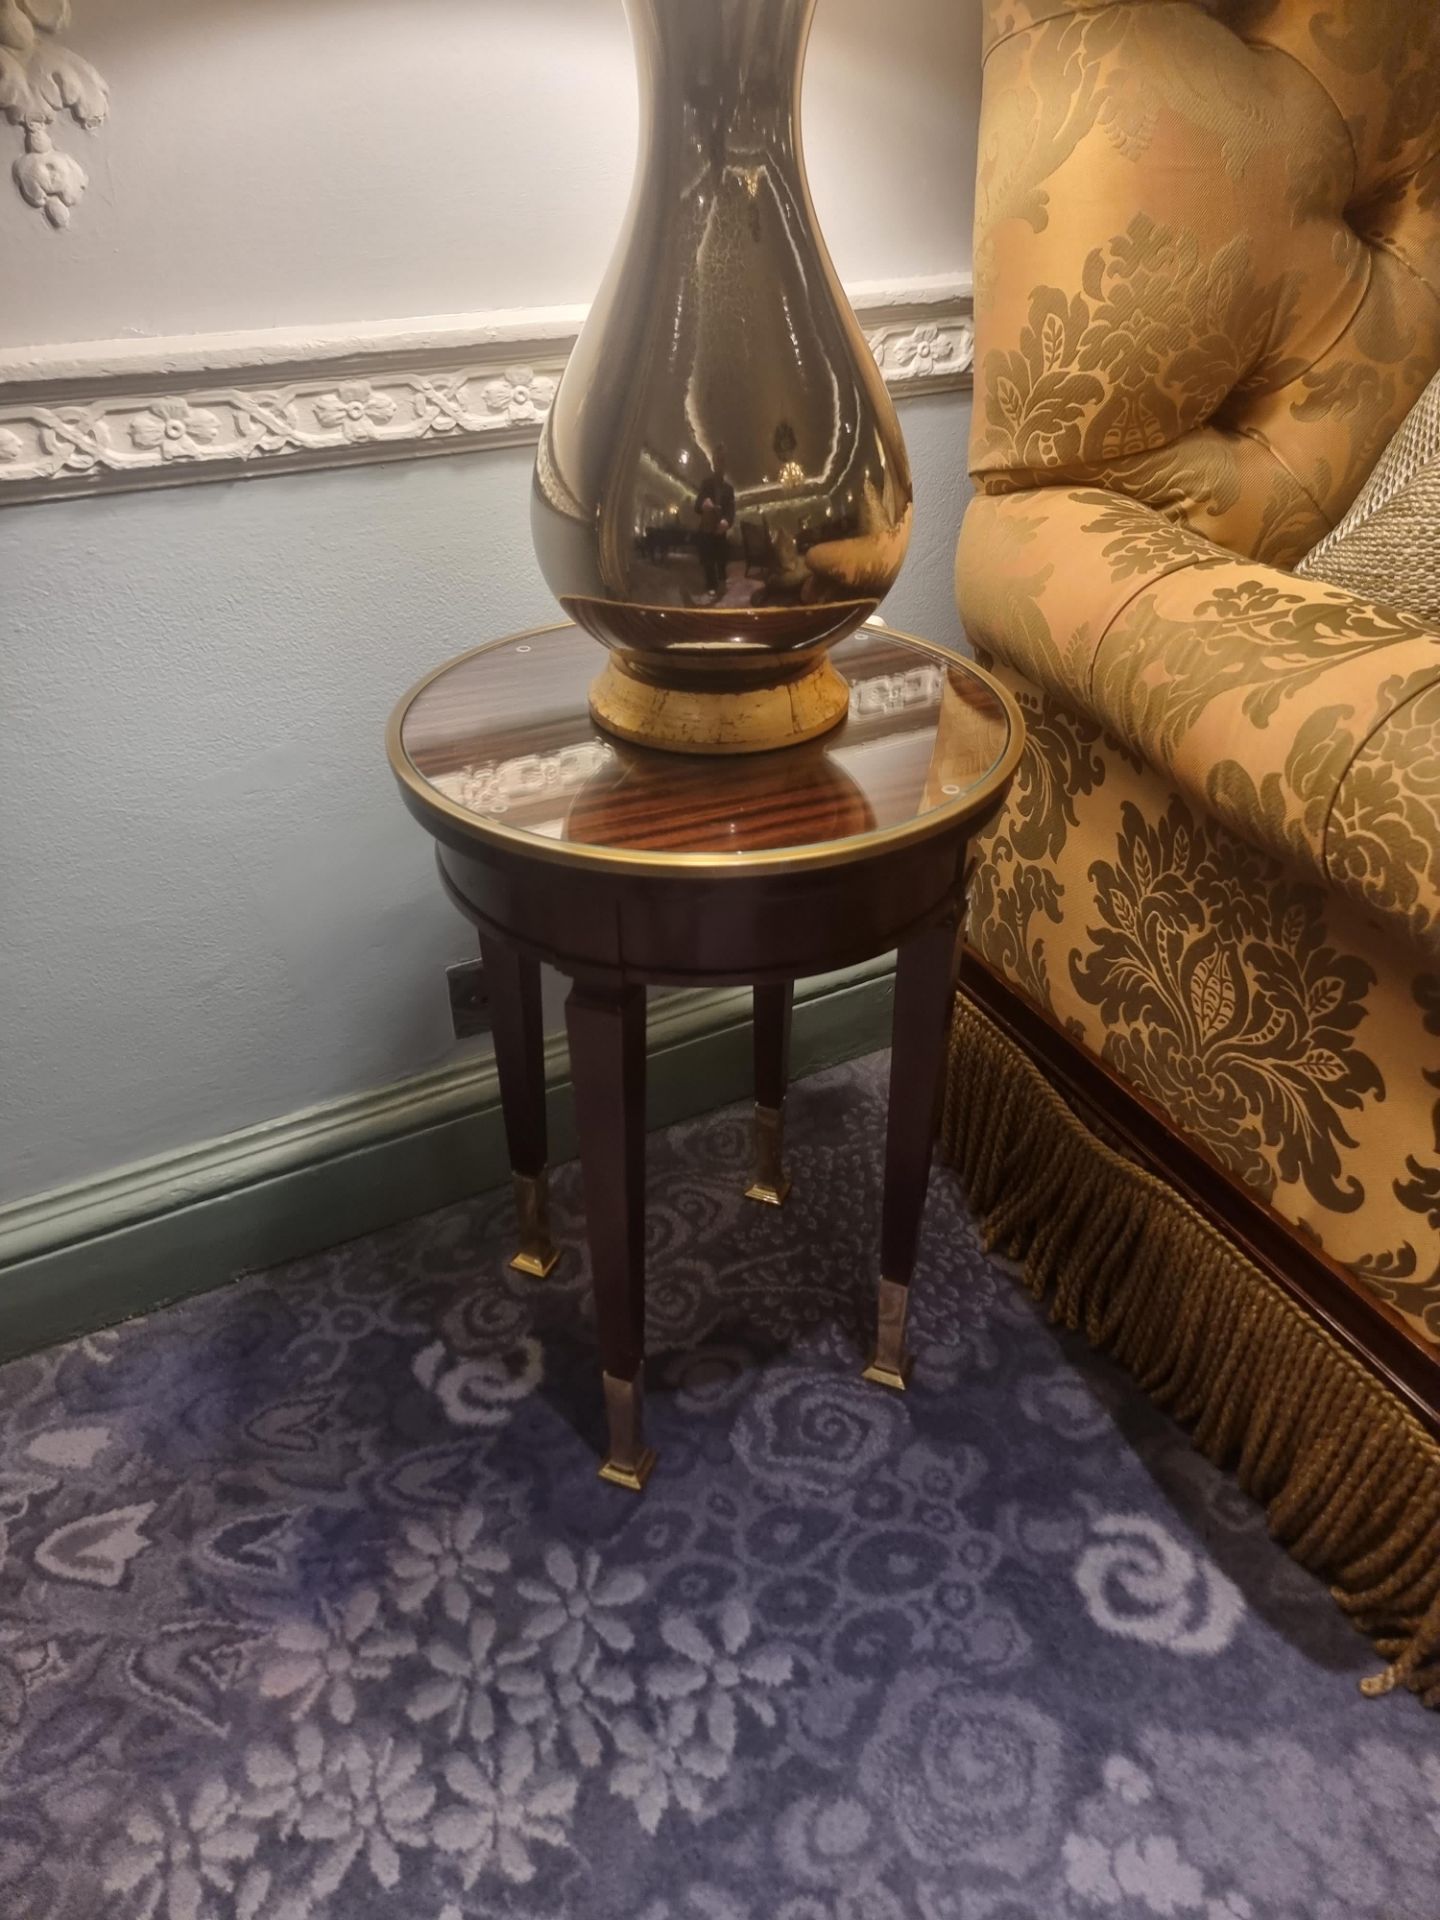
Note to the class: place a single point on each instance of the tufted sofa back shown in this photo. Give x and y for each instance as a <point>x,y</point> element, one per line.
<point>1207,252</point>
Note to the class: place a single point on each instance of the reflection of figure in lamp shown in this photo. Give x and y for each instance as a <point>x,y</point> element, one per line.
<point>786,581</point>
<point>715,504</point>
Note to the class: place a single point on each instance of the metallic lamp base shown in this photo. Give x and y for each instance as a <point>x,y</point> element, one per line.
<point>537,1255</point>
<point>749,720</point>
<point>769,1185</point>
<point>891,1365</point>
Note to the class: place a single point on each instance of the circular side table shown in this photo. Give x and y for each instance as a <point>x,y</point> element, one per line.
<point>624,867</point>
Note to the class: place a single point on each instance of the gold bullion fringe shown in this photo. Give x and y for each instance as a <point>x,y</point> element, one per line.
<point>1349,1478</point>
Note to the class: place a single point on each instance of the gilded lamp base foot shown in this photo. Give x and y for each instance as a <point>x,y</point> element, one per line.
<point>769,1185</point>
<point>630,1462</point>
<point>748,720</point>
<point>891,1365</point>
<point>538,1253</point>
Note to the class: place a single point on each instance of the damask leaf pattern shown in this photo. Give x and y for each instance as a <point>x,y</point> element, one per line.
<point>1212,992</point>
<point>1299,716</point>
<point>1373,59</point>
<point>1013,884</point>
<point>1159,335</point>
<point>1122,953</point>
<point>1150,182</point>
<point>1401,1274</point>
<point>1010,402</point>
<point>1247,375</point>
<point>1141,542</point>
<point>1209,999</point>
<point>1286,811</point>
<point>1321,1064</point>
<point>1122,911</point>
<point>1324,997</point>
<point>1159,671</point>
<point>1383,834</point>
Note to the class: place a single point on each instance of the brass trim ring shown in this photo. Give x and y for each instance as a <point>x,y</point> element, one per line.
<point>423,798</point>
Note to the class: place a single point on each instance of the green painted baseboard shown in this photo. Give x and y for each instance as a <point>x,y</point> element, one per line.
<point>88,1256</point>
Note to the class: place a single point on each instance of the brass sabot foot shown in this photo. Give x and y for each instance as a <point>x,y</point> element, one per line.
<point>891,1365</point>
<point>630,1462</point>
<point>897,1379</point>
<point>769,1184</point>
<point>537,1254</point>
<point>632,1478</point>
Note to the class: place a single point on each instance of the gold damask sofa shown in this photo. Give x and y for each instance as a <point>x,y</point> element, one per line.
<point>1207,293</point>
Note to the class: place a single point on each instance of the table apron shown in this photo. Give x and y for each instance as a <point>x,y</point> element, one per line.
<point>706,929</point>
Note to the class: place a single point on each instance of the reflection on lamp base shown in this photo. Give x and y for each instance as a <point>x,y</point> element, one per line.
<point>746,720</point>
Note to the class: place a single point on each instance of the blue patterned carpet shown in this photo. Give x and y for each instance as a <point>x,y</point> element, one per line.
<point>311,1604</point>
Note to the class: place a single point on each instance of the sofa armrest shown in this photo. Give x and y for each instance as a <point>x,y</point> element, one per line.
<point>1304,719</point>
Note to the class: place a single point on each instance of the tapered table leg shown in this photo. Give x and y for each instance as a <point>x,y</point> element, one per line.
<point>514,984</point>
<point>773,1005</point>
<point>924,993</point>
<point>607,1062</point>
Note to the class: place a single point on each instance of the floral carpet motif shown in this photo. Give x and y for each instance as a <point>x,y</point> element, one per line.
<point>312,1606</point>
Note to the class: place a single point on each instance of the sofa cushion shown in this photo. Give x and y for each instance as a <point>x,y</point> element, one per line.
<point>1301,718</point>
<point>1388,545</point>
<point>1273,1021</point>
<point>1208,263</point>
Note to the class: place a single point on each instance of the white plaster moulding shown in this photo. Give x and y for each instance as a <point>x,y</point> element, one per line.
<point>100,416</point>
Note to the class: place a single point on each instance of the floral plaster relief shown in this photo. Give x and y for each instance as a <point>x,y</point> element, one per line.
<point>41,81</point>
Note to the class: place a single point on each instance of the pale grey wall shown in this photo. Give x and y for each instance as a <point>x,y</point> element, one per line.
<point>269,163</point>
<point>213,908</point>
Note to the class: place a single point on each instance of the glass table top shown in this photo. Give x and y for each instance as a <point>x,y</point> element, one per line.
<point>502,740</point>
